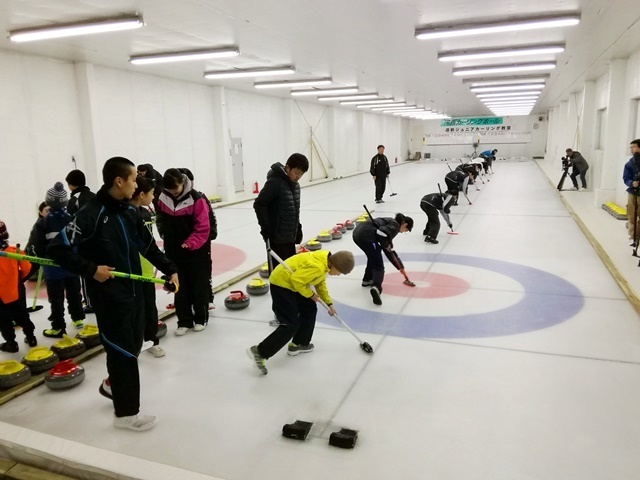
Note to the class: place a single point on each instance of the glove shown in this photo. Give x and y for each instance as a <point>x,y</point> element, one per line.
<point>299,234</point>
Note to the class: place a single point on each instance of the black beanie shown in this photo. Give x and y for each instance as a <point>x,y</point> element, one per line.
<point>57,197</point>
<point>76,178</point>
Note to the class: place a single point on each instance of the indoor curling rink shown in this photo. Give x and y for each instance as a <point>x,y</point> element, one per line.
<point>515,357</point>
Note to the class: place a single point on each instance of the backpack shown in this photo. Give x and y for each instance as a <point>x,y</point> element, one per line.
<point>213,224</point>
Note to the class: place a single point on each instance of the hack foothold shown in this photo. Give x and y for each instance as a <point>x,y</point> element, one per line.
<point>345,438</point>
<point>297,430</point>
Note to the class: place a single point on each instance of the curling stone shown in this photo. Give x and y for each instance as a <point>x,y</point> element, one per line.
<point>237,300</point>
<point>324,236</point>
<point>162,329</point>
<point>301,249</point>
<point>68,347</point>
<point>13,373</point>
<point>40,359</point>
<point>336,234</point>
<point>361,219</point>
<point>298,430</point>
<point>345,438</point>
<point>349,225</point>
<point>64,374</point>
<point>264,271</point>
<point>215,199</point>
<point>89,335</point>
<point>257,286</point>
<point>313,245</point>
<point>341,227</point>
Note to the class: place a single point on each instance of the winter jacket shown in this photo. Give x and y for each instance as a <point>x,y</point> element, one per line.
<point>184,220</point>
<point>12,272</point>
<point>79,197</point>
<point>578,161</point>
<point>309,268</point>
<point>630,174</point>
<point>487,154</point>
<point>145,265</point>
<point>379,166</point>
<point>383,234</point>
<point>442,203</point>
<point>278,208</point>
<point>107,232</point>
<point>461,179</point>
<point>42,233</point>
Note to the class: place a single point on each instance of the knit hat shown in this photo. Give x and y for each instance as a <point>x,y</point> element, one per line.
<point>343,261</point>
<point>4,235</point>
<point>57,197</point>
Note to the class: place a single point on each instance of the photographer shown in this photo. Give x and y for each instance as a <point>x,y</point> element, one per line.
<point>565,171</point>
<point>580,167</point>
<point>631,178</point>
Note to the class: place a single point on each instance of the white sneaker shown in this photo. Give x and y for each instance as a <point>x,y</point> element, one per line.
<point>180,331</point>
<point>137,423</point>
<point>146,345</point>
<point>157,351</point>
<point>198,327</point>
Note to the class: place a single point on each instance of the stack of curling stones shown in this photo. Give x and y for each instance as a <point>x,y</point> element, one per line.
<point>324,236</point>
<point>162,329</point>
<point>89,336</point>
<point>13,373</point>
<point>40,359</point>
<point>313,245</point>
<point>336,234</point>
<point>237,300</point>
<point>257,286</point>
<point>64,374</point>
<point>349,225</point>
<point>264,270</point>
<point>341,227</point>
<point>361,219</point>
<point>68,347</point>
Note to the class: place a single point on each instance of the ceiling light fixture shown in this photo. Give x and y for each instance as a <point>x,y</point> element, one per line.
<point>185,55</point>
<point>324,91</point>
<point>85,27</point>
<point>357,96</point>
<point>509,99</point>
<point>365,105</point>
<point>508,88</point>
<point>480,82</point>
<point>389,108</point>
<point>293,83</point>
<point>517,67</point>
<point>509,94</point>
<point>474,54</point>
<point>528,23</point>
<point>368,102</point>
<point>250,72</point>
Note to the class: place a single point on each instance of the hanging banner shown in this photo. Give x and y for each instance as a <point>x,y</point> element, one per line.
<point>484,135</point>
<point>470,121</point>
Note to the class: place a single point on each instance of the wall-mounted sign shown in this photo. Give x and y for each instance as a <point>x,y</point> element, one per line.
<point>467,121</point>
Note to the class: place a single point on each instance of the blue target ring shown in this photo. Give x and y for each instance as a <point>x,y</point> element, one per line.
<point>548,300</point>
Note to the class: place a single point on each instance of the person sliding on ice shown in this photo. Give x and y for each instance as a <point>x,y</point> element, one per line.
<point>379,170</point>
<point>375,237</point>
<point>60,283</point>
<point>458,180</point>
<point>109,234</point>
<point>435,203</point>
<point>13,302</point>
<point>488,156</point>
<point>294,302</point>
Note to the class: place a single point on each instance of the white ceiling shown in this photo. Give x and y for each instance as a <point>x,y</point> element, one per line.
<point>369,43</point>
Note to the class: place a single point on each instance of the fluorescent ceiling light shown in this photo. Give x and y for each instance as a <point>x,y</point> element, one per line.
<point>357,96</point>
<point>388,108</point>
<point>509,99</point>
<point>518,67</point>
<point>476,28</point>
<point>474,54</point>
<point>86,27</point>
<point>368,102</point>
<point>480,82</point>
<point>365,105</point>
<point>509,105</point>
<point>292,83</point>
<point>324,91</point>
<point>508,94</point>
<point>250,72</point>
<point>508,88</point>
<point>185,55</point>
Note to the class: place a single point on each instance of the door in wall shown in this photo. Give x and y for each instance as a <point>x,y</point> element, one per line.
<point>236,162</point>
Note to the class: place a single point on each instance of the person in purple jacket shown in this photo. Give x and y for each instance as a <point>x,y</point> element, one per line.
<point>182,218</point>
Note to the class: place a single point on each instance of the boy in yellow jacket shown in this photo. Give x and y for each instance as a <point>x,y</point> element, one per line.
<point>294,302</point>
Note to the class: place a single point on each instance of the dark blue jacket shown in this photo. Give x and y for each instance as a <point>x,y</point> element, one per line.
<point>630,173</point>
<point>42,234</point>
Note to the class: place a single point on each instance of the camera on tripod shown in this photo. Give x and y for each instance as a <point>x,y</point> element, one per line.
<point>566,163</point>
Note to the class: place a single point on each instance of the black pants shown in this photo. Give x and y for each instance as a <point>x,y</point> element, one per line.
<point>297,316</point>
<point>15,312</point>
<point>121,322</point>
<point>374,270</point>
<point>433,220</point>
<point>381,185</point>
<point>192,298</point>
<point>283,250</point>
<point>57,289</point>
<point>150,313</point>
<point>583,178</point>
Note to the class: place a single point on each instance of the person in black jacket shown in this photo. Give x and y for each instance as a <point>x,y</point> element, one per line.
<point>374,237</point>
<point>432,204</point>
<point>80,193</point>
<point>458,180</point>
<point>379,170</point>
<point>580,167</point>
<point>278,207</point>
<point>146,170</point>
<point>109,234</point>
